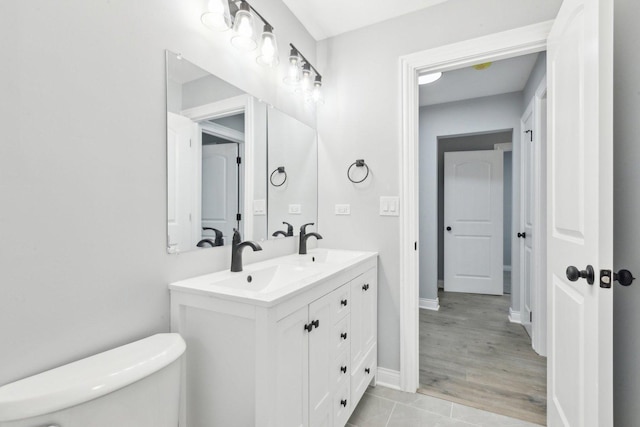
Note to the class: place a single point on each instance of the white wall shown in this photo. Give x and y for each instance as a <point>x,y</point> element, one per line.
<point>480,115</point>
<point>83,262</point>
<point>626,315</point>
<point>538,72</point>
<point>361,119</point>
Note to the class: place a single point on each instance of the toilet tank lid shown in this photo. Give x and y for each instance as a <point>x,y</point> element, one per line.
<point>89,378</point>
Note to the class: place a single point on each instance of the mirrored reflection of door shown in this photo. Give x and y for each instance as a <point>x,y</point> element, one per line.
<point>220,189</point>
<point>527,209</point>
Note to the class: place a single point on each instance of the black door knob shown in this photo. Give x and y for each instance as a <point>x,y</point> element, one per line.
<point>522,235</point>
<point>624,277</point>
<point>448,228</point>
<point>573,274</point>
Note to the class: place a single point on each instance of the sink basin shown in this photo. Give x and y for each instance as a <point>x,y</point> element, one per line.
<point>324,256</point>
<point>263,280</point>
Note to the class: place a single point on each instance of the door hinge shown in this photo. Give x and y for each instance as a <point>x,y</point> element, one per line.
<point>415,246</point>
<point>238,160</point>
<point>530,132</point>
<point>530,316</point>
<point>238,217</point>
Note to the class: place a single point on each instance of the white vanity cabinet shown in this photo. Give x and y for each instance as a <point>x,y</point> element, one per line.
<point>302,360</point>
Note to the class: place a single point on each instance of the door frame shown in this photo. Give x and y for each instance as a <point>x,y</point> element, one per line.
<point>539,264</point>
<point>494,47</point>
<point>225,108</point>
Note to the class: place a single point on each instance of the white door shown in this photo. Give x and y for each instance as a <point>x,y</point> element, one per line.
<point>580,214</point>
<point>525,234</point>
<point>473,222</point>
<point>219,189</point>
<point>180,183</point>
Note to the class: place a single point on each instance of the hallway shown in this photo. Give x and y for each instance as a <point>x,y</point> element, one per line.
<point>471,354</point>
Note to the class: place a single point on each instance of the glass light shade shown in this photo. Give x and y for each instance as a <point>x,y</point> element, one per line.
<point>293,71</point>
<point>268,48</point>
<point>217,17</point>
<point>306,84</point>
<point>316,94</point>
<point>244,38</point>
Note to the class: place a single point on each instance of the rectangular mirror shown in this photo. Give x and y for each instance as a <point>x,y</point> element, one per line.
<point>221,146</point>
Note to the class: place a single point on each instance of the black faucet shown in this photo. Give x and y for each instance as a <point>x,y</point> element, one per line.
<point>287,234</point>
<point>219,239</point>
<point>302,247</point>
<point>236,250</point>
<point>206,243</point>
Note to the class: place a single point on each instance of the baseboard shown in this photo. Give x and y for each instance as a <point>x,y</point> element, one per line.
<point>388,378</point>
<point>506,267</point>
<point>440,284</point>
<point>514,316</point>
<point>430,304</point>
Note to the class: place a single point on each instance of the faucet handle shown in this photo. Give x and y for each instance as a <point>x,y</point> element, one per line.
<point>289,228</point>
<point>303,228</point>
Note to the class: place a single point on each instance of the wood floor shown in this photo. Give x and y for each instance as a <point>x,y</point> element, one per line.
<point>471,354</point>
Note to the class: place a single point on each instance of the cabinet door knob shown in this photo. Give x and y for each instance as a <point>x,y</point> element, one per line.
<point>316,323</point>
<point>365,287</point>
<point>367,370</point>
<point>343,402</point>
<point>344,302</point>
<point>522,235</point>
<point>343,369</point>
<point>448,228</point>
<point>344,335</point>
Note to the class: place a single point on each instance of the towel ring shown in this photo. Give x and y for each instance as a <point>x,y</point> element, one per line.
<point>358,163</point>
<point>279,169</point>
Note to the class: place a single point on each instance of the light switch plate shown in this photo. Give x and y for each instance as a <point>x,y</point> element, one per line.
<point>389,206</point>
<point>343,209</point>
<point>260,207</point>
<point>295,209</point>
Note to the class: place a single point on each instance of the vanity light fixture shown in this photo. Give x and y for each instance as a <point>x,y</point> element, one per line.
<point>268,48</point>
<point>217,17</point>
<point>425,79</point>
<point>300,75</point>
<point>243,27</point>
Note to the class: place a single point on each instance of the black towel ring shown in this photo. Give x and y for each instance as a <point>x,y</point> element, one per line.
<point>358,163</point>
<point>279,169</point>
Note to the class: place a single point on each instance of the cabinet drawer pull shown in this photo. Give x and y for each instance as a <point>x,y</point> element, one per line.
<point>343,402</point>
<point>343,369</point>
<point>367,370</point>
<point>365,287</point>
<point>344,302</point>
<point>309,326</point>
<point>343,335</point>
<point>316,324</point>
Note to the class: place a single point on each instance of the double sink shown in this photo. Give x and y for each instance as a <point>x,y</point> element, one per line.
<point>268,282</point>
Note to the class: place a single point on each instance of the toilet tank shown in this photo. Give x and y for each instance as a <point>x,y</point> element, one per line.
<point>136,385</point>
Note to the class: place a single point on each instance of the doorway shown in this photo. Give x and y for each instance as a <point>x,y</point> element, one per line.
<point>470,351</point>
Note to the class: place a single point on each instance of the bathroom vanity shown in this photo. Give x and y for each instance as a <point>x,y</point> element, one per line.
<point>287,342</point>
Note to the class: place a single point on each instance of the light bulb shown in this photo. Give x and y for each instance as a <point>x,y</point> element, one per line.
<point>243,27</point>
<point>293,72</point>
<point>306,82</point>
<point>217,16</point>
<point>317,92</point>
<point>268,48</point>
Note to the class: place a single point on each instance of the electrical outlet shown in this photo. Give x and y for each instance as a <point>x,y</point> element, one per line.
<point>260,207</point>
<point>343,209</point>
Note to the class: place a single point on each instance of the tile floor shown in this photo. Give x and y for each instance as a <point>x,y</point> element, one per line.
<point>384,407</point>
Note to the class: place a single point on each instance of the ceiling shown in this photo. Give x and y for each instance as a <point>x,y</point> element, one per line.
<point>328,18</point>
<point>506,76</point>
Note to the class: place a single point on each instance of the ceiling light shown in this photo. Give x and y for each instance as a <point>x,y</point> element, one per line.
<point>425,79</point>
<point>244,38</point>
<point>482,66</point>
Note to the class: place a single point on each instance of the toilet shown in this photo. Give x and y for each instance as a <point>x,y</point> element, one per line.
<point>136,385</point>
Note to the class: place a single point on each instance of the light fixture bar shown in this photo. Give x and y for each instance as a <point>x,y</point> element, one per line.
<point>305,60</point>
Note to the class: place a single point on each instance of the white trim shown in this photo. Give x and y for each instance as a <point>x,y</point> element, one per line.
<point>388,378</point>
<point>430,304</point>
<point>228,107</point>
<point>514,316</point>
<point>507,44</point>
<point>224,132</point>
<point>504,146</point>
<point>506,267</point>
